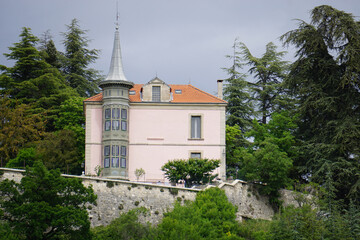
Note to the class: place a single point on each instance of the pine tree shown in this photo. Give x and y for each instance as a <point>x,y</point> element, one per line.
<point>325,80</point>
<point>32,80</point>
<point>268,72</point>
<point>77,59</point>
<point>236,93</point>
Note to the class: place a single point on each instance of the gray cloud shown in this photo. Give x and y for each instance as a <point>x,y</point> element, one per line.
<point>182,41</point>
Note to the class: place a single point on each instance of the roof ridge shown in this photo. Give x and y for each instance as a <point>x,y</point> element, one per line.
<point>207,93</point>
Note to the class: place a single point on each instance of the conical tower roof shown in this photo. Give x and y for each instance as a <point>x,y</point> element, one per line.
<point>116,73</point>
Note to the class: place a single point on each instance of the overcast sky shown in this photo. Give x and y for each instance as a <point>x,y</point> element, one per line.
<point>181,41</point>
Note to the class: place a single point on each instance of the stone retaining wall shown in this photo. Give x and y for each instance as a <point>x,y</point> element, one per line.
<point>118,196</point>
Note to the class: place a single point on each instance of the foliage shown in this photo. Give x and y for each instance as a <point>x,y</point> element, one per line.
<point>18,127</point>
<point>235,147</point>
<point>77,58</point>
<point>298,223</point>
<point>25,157</point>
<point>48,50</point>
<point>32,80</point>
<point>269,158</point>
<point>59,150</point>
<point>40,205</point>
<point>191,171</point>
<point>71,117</point>
<point>98,169</point>
<point>126,226</point>
<point>210,216</point>
<point>325,80</point>
<point>236,93</point>
<point>139,172</point>
<point>255,229</point>
<point>268,165</point>
<point>269,71</point>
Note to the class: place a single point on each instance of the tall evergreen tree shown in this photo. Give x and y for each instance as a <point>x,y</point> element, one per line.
<point>268,71</point>
<point>77,59</point>
<point>32,80</point>
<point>325,80</point>
<point>236,93</point>
<point>48,50</point>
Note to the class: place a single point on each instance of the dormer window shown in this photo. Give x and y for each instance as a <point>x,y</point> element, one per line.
<point>156,94</point>
<point>178,91</point>
<point>132,92</point>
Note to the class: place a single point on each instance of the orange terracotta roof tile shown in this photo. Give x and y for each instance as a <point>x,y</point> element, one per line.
<point>96,98</point>
<point>136,97</point>
<point>189,94</point>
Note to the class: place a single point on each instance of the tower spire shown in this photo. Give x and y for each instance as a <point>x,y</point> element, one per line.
<point>116,71</point>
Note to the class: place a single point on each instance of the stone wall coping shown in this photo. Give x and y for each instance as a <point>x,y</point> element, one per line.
<point>109,180</point>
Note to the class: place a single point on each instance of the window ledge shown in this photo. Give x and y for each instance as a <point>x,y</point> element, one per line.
<point>195,139</point>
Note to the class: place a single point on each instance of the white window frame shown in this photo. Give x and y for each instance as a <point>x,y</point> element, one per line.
<point>196,152</point>
<point>200,128</point>
<point>157,97</point>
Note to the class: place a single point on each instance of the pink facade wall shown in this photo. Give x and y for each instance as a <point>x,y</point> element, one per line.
<point>160,134</point>
<point>93,129</point>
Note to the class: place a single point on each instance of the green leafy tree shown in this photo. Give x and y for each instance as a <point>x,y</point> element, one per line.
<point>139,172</point>
<point>25,157</point>
<point>126,227</point>
<point>236,93</point>
<point>77,58</point>
<point>191,171</point>
<point>59,150</point>
<point>268,165</point>
<point>210,216</point>
<point>269,71</point>
<point>18,128</point>
<point>71,117</point>
<point>45,205</point>
<point>235,147</point>
<point>325,80</point>
<point>269,158</point>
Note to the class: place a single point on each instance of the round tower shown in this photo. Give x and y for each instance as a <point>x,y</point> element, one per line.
<point>115,117</point>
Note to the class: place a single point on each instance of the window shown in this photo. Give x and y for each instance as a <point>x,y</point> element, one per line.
<point>123,150</point>
<point>115,150</point>
<point>115,125</point>
<point>115,162</point>
<point>107,113</point>
<point>107,125</point>
<point>107,150</point>
<point>195,126</point>
<point>178,91</point>
<point>116,113</point>
<point>156,95</point>
<point>123,114</point>
<point>112,119</point>
<point>195,155</point>
<point>107,162</point>
<point>132,92</point>
<point>123,163</point>
<point>123,125</point>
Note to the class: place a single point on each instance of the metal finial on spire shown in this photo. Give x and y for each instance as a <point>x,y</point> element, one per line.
<point>117,16</point>
<point>116,71</point>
